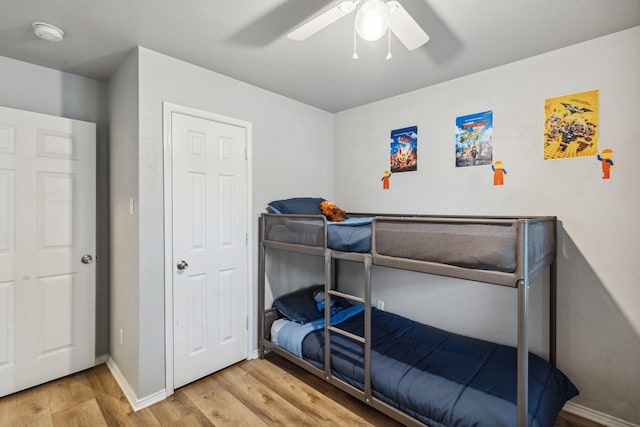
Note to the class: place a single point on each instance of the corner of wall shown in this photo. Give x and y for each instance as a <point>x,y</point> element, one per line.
<point>124,219</point>
<point>136,403</point>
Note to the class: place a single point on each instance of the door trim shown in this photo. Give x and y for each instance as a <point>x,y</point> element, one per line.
<point>167,110</point>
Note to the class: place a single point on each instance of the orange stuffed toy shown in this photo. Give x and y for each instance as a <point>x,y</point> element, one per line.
<point>331,211</point>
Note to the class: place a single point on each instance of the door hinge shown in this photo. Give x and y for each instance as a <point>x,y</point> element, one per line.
<point>246,238</point>
<point>246,322</point>
<point>246,153</point>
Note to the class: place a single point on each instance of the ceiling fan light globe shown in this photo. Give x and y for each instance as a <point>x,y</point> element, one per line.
<point>372,20</point>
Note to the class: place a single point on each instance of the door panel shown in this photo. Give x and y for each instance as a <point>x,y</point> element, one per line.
<point>7,138</point>
<point>7,209</point>
<point>209,232</point>
<point>55,297</point>
<point>55,210</point>
<point>7,310</point>
<point>47,222</point>
<point>198,313</point>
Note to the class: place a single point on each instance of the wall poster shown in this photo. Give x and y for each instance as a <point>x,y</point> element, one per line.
<point>404,149</point>
<point>474,135</point>
<point>571,126</point>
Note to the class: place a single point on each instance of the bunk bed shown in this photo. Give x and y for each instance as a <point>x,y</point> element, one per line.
<point>417,374</point>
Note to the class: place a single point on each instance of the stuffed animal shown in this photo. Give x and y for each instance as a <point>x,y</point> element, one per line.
<point>331,211</point>
<point>318,297</point>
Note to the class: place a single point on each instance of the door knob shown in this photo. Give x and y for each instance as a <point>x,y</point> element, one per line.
<point>86,259</point>
<point>182,265</point>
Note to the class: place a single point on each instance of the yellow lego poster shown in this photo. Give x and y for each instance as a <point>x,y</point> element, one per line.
<point>571,126</point>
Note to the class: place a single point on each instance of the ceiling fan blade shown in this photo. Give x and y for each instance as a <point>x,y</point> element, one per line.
<point>323,20</point>
<point>405,27</point>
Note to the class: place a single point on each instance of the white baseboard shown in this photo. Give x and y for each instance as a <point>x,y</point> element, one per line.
<point>253,354</point>
<point>135,402</point>
<point>596,416</point>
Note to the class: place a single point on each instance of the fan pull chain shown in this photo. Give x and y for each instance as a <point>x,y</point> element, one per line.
<point>355,38</point>
<point>389,56</point>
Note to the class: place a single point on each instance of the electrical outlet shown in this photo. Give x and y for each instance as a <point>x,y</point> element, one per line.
<point>121,338</point>
<point>380,305</point>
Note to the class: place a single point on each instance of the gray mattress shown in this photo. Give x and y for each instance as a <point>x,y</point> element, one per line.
<point>481,249</point>
<point>484,249</point>
<point>309,230</point>
<point>479,246</point>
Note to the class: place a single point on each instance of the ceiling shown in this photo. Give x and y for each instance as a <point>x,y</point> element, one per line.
<point>246,40</point>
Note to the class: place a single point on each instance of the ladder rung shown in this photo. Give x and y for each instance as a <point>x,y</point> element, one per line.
<point>346,334</point>
<point>346,296</point>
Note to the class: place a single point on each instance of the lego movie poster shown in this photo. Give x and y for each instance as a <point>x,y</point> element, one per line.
<point>571,126</point>
<point>474,135</point>
<point>404,149</point>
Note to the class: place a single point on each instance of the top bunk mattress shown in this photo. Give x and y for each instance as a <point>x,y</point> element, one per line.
<point>488,246</point>
<point>352,235</point>
<point>493,250</point>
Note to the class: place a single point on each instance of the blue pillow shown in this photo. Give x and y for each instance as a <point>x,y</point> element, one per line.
<point>299,305</point>
<point>297,205</point>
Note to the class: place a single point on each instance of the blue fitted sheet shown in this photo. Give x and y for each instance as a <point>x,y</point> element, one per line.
<point>440,378</point>
<point>351,235</point>
<point>291,335</point>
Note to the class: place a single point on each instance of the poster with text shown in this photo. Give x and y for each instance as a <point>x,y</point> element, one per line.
<point>404,149</point>
<point>571,126</point>
<point>474,135</point>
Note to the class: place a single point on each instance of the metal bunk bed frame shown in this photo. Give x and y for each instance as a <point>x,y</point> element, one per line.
<point>330,274</point>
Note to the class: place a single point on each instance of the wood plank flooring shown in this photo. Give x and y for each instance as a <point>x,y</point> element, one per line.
<point>251,393</point>
<point>271,392</point>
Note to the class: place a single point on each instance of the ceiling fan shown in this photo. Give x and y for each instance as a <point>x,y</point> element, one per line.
<point>373,19</point>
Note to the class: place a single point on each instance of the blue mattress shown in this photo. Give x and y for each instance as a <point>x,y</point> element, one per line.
<point>352,235</point>
<point>440,378</point>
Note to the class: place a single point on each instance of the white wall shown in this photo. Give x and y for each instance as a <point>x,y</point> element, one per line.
<point>599,297</point>
<point>34,88</point>
<point>292,155</point>
<point>125,298</point>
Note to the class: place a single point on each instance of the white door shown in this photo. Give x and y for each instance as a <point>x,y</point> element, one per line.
<point>47,225</point>
<point>209,246</point>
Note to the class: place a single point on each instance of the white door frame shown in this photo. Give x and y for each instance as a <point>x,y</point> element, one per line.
<point>167,110</point>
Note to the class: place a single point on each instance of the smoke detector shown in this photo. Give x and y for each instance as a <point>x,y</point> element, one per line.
<point>47,31</point>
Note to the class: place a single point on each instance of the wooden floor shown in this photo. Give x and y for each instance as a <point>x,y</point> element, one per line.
<point>252,393</point>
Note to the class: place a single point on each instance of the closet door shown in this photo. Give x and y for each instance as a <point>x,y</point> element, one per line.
<point>47,245</point>
<point>209,246</point>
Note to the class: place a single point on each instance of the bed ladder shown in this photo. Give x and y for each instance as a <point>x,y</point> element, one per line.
<point>330,278</point>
